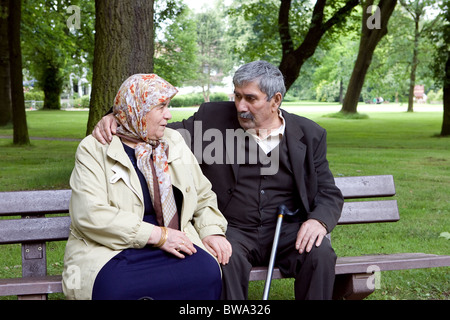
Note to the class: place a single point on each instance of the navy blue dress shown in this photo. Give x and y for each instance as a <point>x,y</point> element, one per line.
<point>155,274</point>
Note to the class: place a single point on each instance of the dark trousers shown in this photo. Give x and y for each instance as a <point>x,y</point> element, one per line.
<point>313,271</point>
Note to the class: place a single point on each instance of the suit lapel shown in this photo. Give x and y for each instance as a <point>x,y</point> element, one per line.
<point>297,152</point>
<point>234,146</point>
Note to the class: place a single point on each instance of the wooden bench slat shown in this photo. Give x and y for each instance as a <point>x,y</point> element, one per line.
<point>34,202</point>
<point>34,230</point>
<point>369,212</point>
<point>366,186</point>
<point>381,262</point>
<point>387,262</point>
<point>260,273</point>
<point>57,201</point>
<point>30,285</point>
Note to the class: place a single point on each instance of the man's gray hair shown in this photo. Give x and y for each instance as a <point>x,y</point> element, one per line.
<point>268,77</point>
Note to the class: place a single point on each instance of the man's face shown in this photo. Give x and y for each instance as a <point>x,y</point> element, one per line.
<point>254,111</point>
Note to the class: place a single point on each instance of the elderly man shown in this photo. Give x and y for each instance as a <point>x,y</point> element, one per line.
<point>290,168</point>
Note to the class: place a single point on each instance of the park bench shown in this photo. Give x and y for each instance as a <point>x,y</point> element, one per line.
<point>40,221</point>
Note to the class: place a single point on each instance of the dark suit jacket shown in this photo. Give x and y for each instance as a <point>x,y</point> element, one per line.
<point>306,141</point>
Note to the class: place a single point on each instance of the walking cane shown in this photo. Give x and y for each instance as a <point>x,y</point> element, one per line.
<point>282,210</point>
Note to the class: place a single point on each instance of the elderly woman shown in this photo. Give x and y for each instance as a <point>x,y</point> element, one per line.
<point>145,222</point>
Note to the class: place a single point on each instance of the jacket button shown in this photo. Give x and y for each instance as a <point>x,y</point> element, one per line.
<point>188,189</point>
<point>230,191</point>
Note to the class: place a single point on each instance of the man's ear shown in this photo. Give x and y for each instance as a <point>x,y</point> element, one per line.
<point>276,101</point>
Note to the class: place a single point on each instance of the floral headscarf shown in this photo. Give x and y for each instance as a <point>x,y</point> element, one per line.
<point>137,96</point>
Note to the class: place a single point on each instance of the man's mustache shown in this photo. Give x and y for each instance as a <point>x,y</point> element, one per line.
<point>246,115</point>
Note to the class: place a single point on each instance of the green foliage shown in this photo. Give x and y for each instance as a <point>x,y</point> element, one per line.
<point>176,55</point>
<point>435,96</point>
<point>440,36</point>
<point>215,61</point>
<point>36,95</point>
<point>254,27</point>
<point>195,99</point>
<point>247,30</point>
<point>327,91</point>
<point>193,49</point>
<point>51,51</point>
<point>334,68</point>
<point>389,72</point>
<point>82,103</point>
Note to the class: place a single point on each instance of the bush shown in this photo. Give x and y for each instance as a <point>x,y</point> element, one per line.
<point>196,99</point>
<point>82,102</point>
<point>218,96</point>
<point>435,96</point>
<point>34,95</point>
<point>186,100</point>
<point>290,98</point>
<point>327,91</point>
<point>85,101</point>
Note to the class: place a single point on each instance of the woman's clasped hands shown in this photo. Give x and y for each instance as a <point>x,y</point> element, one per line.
<point>177,243</point>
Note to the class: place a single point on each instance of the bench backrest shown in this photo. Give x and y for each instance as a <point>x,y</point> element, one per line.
<point>38,225</point>
<point>37,204</point>
<point>378,210</point>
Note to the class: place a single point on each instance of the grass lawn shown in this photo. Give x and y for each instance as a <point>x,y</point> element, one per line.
<point>398,143</point>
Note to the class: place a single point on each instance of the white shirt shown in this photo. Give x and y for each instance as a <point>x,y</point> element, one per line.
<point>273,139</point>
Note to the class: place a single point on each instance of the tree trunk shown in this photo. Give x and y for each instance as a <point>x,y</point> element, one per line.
<point>369,40</point>
<point>20,135</point>
<point>293,59</point>
<point>446,121</point>
<point>123,47</point>
<point>412,77</point>
<point>206,86</point>
<point>416,9</point>
<point>52,86</point>
<point>341,91</point>
<point>5,83</point>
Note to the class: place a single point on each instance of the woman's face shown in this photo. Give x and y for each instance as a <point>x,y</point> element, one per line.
<point>157,119</point>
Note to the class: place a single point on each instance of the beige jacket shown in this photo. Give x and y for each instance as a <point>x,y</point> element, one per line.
<point>107,208</point>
